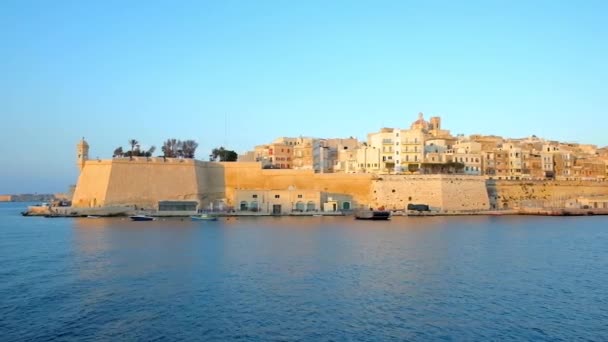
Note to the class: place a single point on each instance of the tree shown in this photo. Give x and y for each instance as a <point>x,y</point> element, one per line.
<point>173,148</point>
<point>150,151</point>
<point>223,154</point>
<point>170,148</point>
<point>189,148</point>
<point>133,143</point>
<point>118,152</point>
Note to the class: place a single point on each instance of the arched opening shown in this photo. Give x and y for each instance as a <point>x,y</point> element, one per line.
<point>310,206</point>
<point>346,206</point>
<point>300,206</point>
<point>253,206</point>
<point>244,206</point>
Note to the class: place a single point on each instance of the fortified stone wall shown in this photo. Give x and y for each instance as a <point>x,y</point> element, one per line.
<point>513,194</point>
<point>145,181</point>
<point>445,192</point>
<point>252,176</point>
<point>92,185</point>
<point>464,193</point>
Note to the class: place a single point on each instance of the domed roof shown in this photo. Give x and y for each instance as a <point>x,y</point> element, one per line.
<point>420,123</point>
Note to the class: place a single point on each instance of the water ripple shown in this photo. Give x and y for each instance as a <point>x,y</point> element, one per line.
<point>296,279</point>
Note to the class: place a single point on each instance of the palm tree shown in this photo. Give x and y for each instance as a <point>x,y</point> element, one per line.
<point>133,143</point>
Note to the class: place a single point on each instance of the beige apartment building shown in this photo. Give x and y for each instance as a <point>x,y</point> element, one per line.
<point>384,142</point>
<point>303,154</point>
<point>275,155</point>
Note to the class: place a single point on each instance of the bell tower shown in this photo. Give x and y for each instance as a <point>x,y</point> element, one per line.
<point>82,153</point>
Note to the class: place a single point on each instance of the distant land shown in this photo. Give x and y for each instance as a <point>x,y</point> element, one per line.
<point>29,198</point>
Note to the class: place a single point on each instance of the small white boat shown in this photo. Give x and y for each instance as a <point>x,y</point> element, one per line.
<point>142,218</point>
<point>93,216</point>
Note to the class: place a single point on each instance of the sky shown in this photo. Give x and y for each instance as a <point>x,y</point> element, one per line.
<point>242,73</point>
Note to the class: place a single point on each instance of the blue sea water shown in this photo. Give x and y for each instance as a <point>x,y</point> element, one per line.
<point>303,279</point>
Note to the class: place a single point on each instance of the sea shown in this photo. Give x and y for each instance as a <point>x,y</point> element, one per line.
<point>475,278</point>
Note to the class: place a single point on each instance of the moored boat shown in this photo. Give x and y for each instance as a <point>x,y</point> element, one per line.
<point>375,215</point>
<point>142,218</point>
<point>204,217</point>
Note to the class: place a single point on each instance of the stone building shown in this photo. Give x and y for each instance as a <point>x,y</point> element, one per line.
<point>290,201</point>
<point>384,142</point>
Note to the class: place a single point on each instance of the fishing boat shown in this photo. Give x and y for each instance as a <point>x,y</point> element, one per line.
<point>204,217</point>
<point>375,215</point>
<point>142,218</point>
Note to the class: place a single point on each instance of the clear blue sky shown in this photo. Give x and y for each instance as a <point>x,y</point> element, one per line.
<point>115,70</point>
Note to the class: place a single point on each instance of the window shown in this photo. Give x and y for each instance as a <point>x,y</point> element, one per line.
<point>299,196</point>
<point>277,196</point>
<point>255,196</point>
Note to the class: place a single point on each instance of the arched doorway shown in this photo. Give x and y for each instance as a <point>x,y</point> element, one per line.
<point>346,206</point>
<point>253,206</point>
<point>244,206</point>
<point>300,206</point>
<point>310,206</point>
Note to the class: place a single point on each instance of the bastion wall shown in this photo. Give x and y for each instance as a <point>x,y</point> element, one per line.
<point>440,192</point>
<point>145,181</point>
<point>515,194</point>
<point>252,176</point>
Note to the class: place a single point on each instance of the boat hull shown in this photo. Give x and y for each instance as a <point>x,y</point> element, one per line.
<point>373,215</point>
<point>141,218</point>
<point>198,218</point>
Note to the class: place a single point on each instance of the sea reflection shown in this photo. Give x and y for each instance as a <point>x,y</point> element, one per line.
<point>304,278</point>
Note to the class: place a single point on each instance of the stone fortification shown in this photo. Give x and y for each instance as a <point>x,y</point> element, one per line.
<point>145,181</point>
<point>440,192</point>
<point>549,194</point>
<point>252,176</point>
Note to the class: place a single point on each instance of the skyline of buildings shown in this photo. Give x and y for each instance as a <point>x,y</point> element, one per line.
<point>427,148</point>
